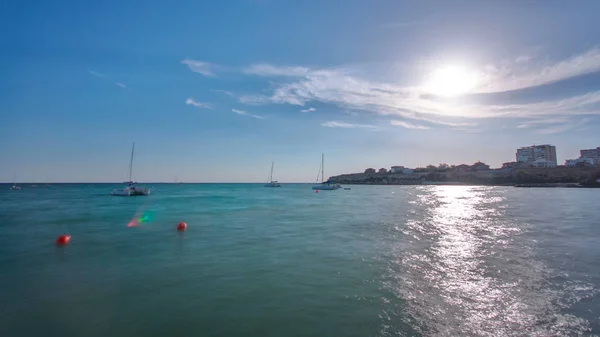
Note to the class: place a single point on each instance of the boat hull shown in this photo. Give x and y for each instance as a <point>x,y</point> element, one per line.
<point>131,192</point>
<point>325,187</point>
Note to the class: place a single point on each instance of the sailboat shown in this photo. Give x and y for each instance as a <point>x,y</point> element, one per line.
<point>131,189</point>
<point>15,187</point>
<point>324,185</point>
<point>271,182</point>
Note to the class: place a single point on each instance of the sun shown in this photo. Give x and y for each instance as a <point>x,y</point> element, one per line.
<point>450,81</point>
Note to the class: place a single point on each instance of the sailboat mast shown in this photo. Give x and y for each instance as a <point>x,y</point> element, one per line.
<point>322,167</point>
<point>131,161</point>
<point>271,176</point>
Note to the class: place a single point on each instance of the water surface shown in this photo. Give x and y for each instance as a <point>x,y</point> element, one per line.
<point>255,261</point>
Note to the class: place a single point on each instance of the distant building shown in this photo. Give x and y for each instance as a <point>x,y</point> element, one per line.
<point>537,153</point>
<point>462,168</point>
<point>370,170</point>
<point>542,163</point>
<point>591,153</point>
<point>514,165</point>
<point>479,166</point>
<point>401,169</point>
<point>382,170</point>
<point>580,162</point>
<point>586,157</point>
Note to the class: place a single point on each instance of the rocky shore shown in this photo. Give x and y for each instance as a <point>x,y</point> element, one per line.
<point>529,177</point>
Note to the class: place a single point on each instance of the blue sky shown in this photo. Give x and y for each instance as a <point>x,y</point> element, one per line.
<point>214,91</point>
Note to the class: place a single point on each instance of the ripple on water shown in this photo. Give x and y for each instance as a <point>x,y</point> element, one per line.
<point>464,268</point>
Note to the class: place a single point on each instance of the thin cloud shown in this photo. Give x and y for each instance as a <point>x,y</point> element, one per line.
<point>244,113</point>
<point>559,128</point>
<point>336,124</point>
<point>104,77</point>
<point>193,102</point>
<point>97,74</point>
<point>524,73</point>
<point>269,70</point>
<point>339,88</point>
<point>309,110</point>
<point>200,67</point>
<point>225,92</point>
<point>408,125</point>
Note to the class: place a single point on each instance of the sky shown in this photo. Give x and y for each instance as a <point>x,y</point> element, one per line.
<point>214,91</point>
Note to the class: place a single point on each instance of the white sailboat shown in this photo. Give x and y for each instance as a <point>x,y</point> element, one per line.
<point>15,187</point>
<point>271,182</point>
<point>131,189</point>
<point>324,185</point>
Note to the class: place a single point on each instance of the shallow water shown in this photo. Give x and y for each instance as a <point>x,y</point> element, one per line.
<point>255,261</point>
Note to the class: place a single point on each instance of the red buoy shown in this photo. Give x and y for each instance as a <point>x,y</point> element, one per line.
<point>316,191</point>
<point>63,240</point>
<point>181,226</point>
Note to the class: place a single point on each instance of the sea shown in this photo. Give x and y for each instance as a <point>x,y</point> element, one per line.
<point>257,261</point>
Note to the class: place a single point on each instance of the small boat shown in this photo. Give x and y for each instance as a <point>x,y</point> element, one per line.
<point>131,189</point>
<point>271,182</point>
<point>324,185</point>
<point>347,188</point>
<point>14,187</point>
<point>34,186</point>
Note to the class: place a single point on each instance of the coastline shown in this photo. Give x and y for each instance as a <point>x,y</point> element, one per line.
<point>560,177</point>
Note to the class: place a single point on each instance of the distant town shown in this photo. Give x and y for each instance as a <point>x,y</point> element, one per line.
<point>533,166</point>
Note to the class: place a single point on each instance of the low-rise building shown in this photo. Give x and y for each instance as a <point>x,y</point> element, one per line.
<point>580,162</point>
<point>401,169</point>
<point>479,166</point>
<point>514,165</point>
<point>462,168</point>
<point>382,170</point>
<point>370,170</point>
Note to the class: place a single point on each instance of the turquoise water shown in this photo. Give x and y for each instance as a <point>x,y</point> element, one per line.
<point>255,261</point>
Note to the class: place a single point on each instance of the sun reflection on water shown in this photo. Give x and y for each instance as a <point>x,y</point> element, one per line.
<point>464,269</point>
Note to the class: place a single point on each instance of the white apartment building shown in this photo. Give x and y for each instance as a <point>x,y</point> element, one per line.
<point>537,155</point>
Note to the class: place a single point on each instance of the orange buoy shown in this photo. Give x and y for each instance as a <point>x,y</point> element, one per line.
<point>181,226</point>
<point>63,240</point>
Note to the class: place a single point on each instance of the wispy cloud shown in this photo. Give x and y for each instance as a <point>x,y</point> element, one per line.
<point>193,102</point>
<point>204,68</point>
<point>104,77</point>
<point>225,92</point>
<point>244,113</point>
<point>269,70</point>
<point>97,74</point>
<point>528,71</point>
<point>408,125</point>
<point>562,127</point>
<point>341,87</point>
<point>336,124</point>
<point>308,110</point>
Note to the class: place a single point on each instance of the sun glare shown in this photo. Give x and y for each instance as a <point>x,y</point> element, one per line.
<point>450,81</point>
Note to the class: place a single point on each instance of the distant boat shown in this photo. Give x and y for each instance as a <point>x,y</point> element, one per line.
<point>271,182</point>
<point>131,189</point>
<point>325,185</point>
<point>34,186</point>
<point>15,187</point>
